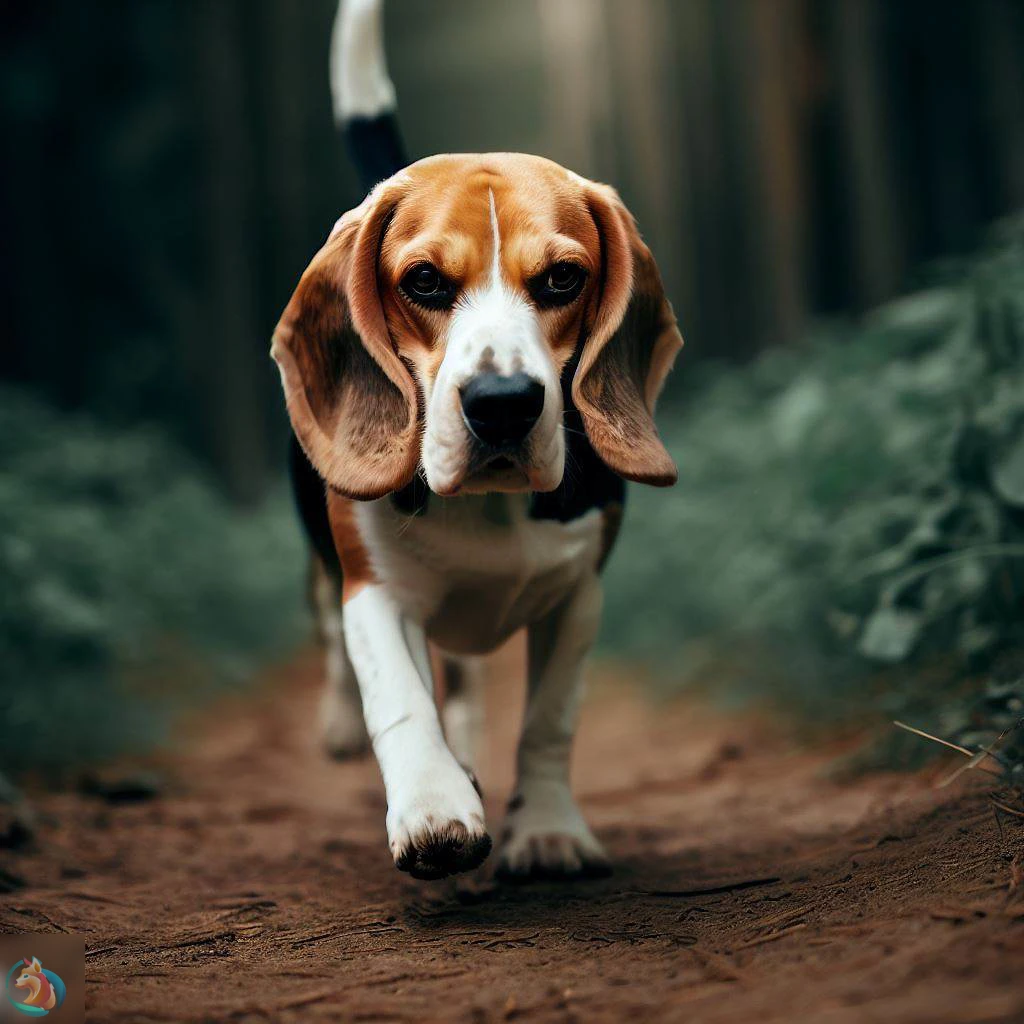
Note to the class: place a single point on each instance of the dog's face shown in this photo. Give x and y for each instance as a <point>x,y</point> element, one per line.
<point>451,315</point>
<point>484,278</point>
<point>32,971</point>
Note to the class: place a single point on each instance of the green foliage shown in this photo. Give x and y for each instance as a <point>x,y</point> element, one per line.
<point>852,503</point>
<point>128,586</point>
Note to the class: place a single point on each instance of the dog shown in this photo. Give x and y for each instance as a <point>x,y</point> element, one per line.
<point>470,366</point>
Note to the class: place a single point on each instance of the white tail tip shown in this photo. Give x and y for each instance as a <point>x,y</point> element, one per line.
<point>360,86</point>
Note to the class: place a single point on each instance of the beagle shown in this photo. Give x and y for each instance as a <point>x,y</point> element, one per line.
<point>470,366</point>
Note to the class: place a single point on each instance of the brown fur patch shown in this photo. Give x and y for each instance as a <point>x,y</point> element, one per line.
<point>357,570</point>
<point>628,352</point>
<point>352,403</point>
<point>444,219</point>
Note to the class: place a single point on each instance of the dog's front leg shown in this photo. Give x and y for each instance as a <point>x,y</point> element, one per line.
<point>545,834</point>
<point>435,820</point>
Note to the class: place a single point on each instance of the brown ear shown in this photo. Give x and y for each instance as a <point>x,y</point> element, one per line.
<point>628,352</point>
<point>352,402</point>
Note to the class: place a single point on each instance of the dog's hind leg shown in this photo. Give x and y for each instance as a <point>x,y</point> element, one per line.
<point>463,709</point>
<point>342,730</point>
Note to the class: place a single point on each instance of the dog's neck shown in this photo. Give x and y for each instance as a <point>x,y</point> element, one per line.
<point>495,508</point>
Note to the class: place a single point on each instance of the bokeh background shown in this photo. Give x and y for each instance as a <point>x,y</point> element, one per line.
<point>830,187</point>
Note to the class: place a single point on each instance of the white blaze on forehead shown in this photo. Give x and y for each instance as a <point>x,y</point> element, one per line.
<point>494,328</point>
<point>496,236</point>
<point>492,316</point>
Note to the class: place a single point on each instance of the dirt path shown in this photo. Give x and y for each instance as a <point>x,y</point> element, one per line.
<point>749,887</point>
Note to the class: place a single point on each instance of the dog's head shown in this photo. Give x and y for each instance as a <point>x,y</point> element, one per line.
<point>436,325</point>
<point>31,966</point>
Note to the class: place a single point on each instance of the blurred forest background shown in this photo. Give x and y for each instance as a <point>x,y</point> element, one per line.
<point>818,179</point>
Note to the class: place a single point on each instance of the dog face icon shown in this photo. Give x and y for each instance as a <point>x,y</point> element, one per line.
<point>44,989</point>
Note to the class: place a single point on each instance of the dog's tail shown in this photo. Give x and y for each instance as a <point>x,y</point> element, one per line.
<point>364,96</point>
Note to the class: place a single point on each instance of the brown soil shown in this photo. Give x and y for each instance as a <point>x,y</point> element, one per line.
<point>749,886</point>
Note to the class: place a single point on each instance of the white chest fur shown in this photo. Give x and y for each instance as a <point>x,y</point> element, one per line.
<point>474,570</point>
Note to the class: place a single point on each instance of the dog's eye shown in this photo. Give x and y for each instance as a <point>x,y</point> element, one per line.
<point>563,277</point>
<point>426,285</point>
<point>559,285</point>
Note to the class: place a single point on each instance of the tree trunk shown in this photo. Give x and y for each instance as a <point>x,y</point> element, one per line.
<point>879,253</point>
<point>654,170</point>
<point>578,99</point>
<point>233,350</point>
<point>1002,42</point>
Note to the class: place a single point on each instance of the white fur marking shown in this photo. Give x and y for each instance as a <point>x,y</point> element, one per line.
<point>360,85</point>
<point>496,238</point>
<point>515,571</point>
<point>427,790</point>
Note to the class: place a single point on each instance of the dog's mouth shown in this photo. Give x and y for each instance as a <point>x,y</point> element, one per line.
<point>502,471</point>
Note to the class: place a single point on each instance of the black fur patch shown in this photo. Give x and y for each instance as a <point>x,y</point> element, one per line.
<point>587,482</point>
<point>413,498</point>
<point>375,145</point>
<point>311,500</point>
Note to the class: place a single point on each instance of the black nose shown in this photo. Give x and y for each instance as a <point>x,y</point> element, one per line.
<point>501,411</point>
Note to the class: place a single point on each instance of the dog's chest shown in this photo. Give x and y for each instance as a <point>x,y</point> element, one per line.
<point>474,570</point>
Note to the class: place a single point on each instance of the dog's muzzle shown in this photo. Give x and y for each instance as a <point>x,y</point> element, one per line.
<point>501,411</point>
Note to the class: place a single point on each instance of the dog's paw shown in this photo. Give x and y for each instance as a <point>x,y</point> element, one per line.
<point>440,831</point>
<point>440,847</point>
<point>546,838</point>
<point>342,729</point>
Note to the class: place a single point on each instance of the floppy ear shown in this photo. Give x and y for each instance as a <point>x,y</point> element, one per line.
<point>353,404</point>
<point>629,350</point>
